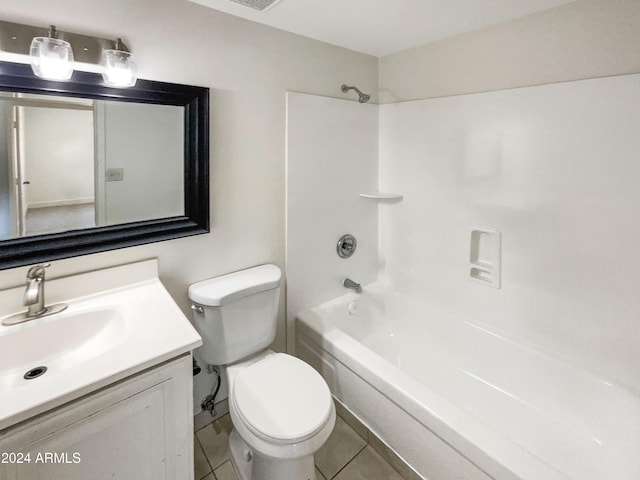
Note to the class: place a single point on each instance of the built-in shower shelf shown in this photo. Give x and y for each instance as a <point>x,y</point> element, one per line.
<point>382,195</point>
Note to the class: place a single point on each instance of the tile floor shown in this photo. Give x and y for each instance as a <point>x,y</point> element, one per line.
<point>345,456</point>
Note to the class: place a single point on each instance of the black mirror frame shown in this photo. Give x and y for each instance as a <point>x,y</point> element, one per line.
<point>17,252</point>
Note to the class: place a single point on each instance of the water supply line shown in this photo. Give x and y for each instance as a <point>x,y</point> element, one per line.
<point>209,402</point>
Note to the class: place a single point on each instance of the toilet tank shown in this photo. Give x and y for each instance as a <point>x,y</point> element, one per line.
<point>238,313</point>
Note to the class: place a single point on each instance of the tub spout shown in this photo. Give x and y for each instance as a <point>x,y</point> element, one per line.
<point>348,283</point>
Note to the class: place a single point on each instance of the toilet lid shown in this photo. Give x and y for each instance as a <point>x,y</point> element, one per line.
<point>282,397</point>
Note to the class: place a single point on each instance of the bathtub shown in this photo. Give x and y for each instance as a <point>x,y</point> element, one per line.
<point>457,401</point>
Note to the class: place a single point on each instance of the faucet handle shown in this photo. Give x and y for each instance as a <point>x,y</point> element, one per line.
<point>37,271</point>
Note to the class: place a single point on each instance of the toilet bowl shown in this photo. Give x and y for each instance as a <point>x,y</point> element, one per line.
<point>281,408</point>
<point>283,413</point>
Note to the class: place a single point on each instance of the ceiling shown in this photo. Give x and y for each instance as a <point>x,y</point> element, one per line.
<point>383,27</point>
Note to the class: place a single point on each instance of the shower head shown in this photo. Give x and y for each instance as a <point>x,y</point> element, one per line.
<point>362,97</point>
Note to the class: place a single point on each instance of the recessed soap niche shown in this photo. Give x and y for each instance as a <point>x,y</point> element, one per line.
<point>485,256</point>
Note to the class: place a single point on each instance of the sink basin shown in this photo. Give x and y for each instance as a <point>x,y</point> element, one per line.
<point>58,342</point>
<point>119,321</point>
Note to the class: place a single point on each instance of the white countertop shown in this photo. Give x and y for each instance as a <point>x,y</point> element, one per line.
<point>150,329</point>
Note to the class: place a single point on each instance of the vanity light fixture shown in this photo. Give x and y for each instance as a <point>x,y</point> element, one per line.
<point>54,54</point>
<point>119,66</point>
<point>51,57</point>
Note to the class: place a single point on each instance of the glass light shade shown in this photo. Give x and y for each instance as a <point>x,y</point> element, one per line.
<point>119,68</point>
<point>51,58</point>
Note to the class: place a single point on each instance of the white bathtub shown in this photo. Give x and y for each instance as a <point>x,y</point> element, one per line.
<point>457,401</point>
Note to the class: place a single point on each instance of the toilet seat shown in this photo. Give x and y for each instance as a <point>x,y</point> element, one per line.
<point>281,399</point>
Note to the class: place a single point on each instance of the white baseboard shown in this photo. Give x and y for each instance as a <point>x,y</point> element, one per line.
<point>60,203</point>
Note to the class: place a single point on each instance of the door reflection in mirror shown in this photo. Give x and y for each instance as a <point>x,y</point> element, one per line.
<point>69,164</point>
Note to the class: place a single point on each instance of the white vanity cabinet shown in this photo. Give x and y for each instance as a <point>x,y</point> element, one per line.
<point>140,428</point>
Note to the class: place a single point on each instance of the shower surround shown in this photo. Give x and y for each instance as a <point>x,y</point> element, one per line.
<point>552,168</point>
<point>555,169</point>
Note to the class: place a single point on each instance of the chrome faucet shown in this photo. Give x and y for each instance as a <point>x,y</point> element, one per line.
<point>348,283</point>
<point>34,299</point>
<point>34,295</point>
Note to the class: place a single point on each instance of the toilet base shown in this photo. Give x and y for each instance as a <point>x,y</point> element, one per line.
<point>253,466</point>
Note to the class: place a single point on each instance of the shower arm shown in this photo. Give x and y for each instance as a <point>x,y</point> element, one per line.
<point>346,88</point>
<point>362,97</point>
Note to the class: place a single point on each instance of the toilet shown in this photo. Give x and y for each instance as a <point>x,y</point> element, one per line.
<point>281,408</point>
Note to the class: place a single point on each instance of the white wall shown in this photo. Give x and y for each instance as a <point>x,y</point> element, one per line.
<point>583,39</point>
<point>58,155</point>
<point>249,68</point>
<point>555,169</point>
<point>147,142</point>
<point>332,157</point>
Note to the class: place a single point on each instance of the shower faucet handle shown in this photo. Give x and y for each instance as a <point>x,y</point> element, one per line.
<point>346,246</point>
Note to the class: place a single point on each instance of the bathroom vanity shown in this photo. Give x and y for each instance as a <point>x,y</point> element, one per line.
<point>115,400</point>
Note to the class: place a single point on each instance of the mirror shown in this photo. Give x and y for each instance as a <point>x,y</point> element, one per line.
<point>75,163</point>
<point>87,168</point>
